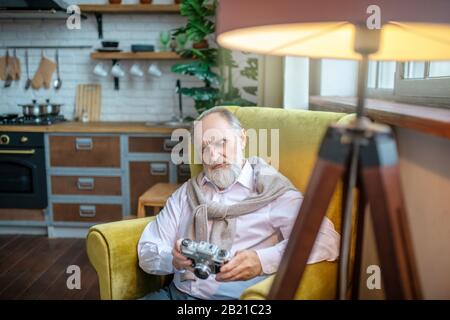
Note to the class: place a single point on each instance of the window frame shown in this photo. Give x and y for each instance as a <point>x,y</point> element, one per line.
<point>433,91</point>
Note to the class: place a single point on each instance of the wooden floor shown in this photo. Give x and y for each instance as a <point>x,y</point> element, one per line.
<point>34,267</point>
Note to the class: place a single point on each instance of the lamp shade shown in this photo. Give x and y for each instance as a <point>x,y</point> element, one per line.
<point>410,29</point>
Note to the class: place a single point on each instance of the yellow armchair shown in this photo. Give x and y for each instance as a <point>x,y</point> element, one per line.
<point>112,247</point>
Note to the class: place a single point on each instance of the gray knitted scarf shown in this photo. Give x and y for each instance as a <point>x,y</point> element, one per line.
<point>270,184</point>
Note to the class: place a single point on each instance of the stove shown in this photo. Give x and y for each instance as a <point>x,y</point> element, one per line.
<point>16,119</point>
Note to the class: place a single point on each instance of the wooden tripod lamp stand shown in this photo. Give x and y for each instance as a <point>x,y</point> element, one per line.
<point>363,154</point>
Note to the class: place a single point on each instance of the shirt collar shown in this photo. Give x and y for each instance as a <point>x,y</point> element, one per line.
<point>245,177</point>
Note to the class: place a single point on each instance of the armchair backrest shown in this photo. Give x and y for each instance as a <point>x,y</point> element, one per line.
<point>300,133</point>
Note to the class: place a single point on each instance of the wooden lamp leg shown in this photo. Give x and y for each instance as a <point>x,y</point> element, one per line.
<point>382,182</point>
<point>321,187</point>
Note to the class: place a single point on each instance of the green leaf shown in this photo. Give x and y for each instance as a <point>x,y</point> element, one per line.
<point>201,93</point>
<point>198,69</point>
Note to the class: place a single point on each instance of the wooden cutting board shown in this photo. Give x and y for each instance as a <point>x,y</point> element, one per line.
<point>88,99</point>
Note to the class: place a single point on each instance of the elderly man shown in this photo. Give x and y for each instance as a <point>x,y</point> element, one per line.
<point>243,205</point>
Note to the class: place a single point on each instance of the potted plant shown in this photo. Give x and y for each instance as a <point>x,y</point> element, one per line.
<point>199,26</point>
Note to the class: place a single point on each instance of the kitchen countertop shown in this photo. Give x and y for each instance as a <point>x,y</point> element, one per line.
<point>92,127</point>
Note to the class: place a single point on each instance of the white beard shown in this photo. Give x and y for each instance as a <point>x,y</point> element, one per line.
<point>225,176</point>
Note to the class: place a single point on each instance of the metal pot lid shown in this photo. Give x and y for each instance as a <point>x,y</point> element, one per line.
<point>47,103</point>
<point>34,103</point>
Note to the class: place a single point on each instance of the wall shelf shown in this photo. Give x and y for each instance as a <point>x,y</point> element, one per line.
<point>130,8</point>
<point>135,55</point>
<point>100,9</point>
<point>116,56</point>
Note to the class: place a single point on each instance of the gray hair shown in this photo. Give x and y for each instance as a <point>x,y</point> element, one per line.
<point>232,120</point>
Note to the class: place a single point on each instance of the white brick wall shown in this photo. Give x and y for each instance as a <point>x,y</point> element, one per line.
<point>141,99</point>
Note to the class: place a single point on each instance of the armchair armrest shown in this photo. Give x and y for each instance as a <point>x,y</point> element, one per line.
<point>112,250</point>
<point>318,283</point>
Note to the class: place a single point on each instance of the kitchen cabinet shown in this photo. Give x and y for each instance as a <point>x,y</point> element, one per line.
<point>150,144</point>
<point>149,163</point>
<point>86,185</point>
<point>86,213</point>
<point>95,177</point>
<point>85,182</point>
<point>143,175</point>
<point>22,214</point>
<point>84,151</point>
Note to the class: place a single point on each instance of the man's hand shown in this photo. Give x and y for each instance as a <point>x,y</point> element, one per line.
<point>244,265</point>
<point>179,261</point>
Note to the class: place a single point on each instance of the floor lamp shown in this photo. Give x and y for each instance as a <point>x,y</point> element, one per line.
<point>362,154</point>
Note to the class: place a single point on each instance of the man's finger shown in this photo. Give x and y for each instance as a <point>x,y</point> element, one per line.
<point>185,263</point>
<point>237,277</point>
<point>179,256</point>
<point>233,263</point>
<point>178,245</point>
<point>226,276</point>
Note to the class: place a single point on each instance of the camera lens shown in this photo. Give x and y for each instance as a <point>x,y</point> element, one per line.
<point>222,253</point>
<point>202,271</point>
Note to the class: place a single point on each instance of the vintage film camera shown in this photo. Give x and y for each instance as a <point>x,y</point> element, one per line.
<point>206,258</point>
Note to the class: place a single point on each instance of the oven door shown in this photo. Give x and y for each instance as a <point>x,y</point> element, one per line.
<point>22,178</point>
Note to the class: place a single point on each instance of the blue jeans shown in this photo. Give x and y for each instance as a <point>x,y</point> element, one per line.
<point>168,293</point>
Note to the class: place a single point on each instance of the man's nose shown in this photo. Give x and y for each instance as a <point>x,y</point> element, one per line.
<point>214,155</point>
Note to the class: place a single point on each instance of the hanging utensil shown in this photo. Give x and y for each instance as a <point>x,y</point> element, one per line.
<point>57,83</point>
<point>9,77</point>
<point>27,66</point>
<point>15,72</point>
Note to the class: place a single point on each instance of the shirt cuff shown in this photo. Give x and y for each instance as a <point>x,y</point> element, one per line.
<point>155,260</point>
<point>269,258</point>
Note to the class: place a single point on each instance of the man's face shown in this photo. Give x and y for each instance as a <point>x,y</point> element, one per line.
<point>222,150</point>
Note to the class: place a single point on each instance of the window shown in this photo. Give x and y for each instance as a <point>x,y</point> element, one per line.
<point>426,70</point>
<point>421,82</point>
<point>381,75</point>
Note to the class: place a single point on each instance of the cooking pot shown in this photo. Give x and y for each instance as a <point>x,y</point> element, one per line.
<point>38,110</point>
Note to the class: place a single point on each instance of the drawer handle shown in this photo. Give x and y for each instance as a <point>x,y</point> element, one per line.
<point>87,211</point>
<point>158,169</point>
<point>83,143</point>
<point>85,184</point>
<point>169,144</point>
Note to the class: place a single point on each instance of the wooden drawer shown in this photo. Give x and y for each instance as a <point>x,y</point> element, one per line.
<point>86,185</point>
<point>143,175</point>
<point>84,151</point>
<point>150,144</point>
<point>87,212</point>
<point>22,214</point>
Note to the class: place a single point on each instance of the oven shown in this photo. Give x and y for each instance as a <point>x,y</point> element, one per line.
<point>22,170</point>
